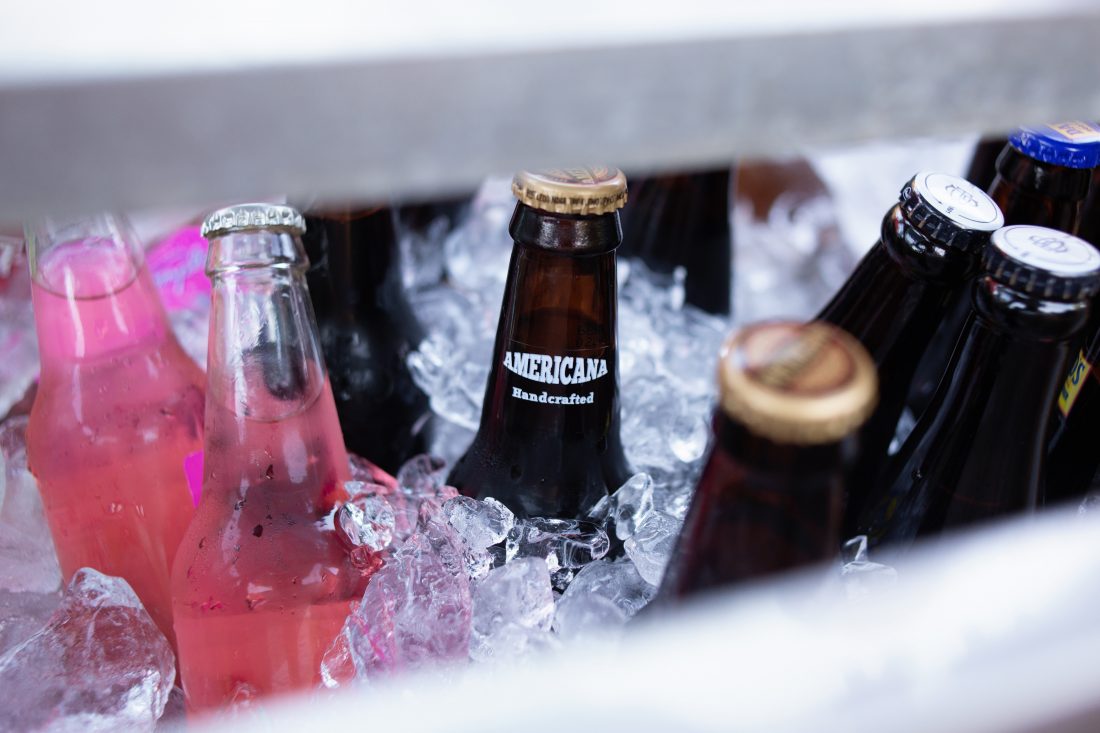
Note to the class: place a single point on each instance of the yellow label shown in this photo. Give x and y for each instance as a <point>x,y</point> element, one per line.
<point>1078,373</point>
<point>1077,131</point>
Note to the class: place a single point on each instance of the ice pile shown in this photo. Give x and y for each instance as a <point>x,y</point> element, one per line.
<point>790,262</point>
<point>472,582</point>
<point>99,663</point>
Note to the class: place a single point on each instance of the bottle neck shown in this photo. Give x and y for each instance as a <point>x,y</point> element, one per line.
<point>921,258</point>
<point>561,295</point>
<point>93,298</point>
<point>353,261</point>
<point>1032,192</point>
<point>1016,315</point>
<point>565,234</point>
<point>270,416</point>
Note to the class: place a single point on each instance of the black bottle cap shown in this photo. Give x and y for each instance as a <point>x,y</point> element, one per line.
<point>950,211</point>
<point>1044,262</point>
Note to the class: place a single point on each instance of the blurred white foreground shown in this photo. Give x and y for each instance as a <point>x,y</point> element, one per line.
<point>993,631</point>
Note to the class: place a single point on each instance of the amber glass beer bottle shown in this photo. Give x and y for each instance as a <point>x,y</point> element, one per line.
<point>367,329</point>
<point>769,499</point>
<point>977,452</point>
<point>1042,178</point>
<point>261,584</point>
<point>683,220</point>
<point>548,443</point>
<point>898,294</point>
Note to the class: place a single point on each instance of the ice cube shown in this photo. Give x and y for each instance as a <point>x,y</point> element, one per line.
<point>22,614</point>
<point>860,576</point>
<point>633,501</point>
<point>415,612</point>
<point>453,381</point>
<point>479,523</point>
<point>616,580</point>
<point>100,663</point>
<point>582,616</point>
<point>673,490</point>
<point>651,546</point>
<point>422,476</point>
<point>563,543</point>
<point>365,526</point>
<point>510,606</point>
<point>28,561</point>
<point>419,487</point>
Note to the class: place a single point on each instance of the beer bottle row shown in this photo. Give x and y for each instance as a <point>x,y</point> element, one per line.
<point>214,497</point>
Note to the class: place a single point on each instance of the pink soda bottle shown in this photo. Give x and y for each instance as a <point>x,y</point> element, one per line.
<point>118,417</point>
<point>261,583</point>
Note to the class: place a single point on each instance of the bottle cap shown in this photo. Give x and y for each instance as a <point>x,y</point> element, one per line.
<point>802,383</point>
<point>253,217</point>
<point>584,191</point>
<point>1044,262</point>
<point>1069,144</point>
<point>949,210</point>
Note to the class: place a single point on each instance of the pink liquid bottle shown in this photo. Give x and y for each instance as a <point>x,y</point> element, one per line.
<point>118,416</point>
<point>261,583</point>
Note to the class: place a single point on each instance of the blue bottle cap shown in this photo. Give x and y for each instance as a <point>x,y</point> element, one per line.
<point>1068,144</point>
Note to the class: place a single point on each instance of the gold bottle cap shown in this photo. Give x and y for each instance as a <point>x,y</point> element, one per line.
<point>585,191</point>
<point>802,383</point>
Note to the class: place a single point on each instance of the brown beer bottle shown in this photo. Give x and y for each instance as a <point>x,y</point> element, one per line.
<point>548,444</point>
<point>898,294</point>
<point>367,329</point>
<point>683,220</point>
<point>769,499</point>
<point>977,451</point>
<point>1042,178</point>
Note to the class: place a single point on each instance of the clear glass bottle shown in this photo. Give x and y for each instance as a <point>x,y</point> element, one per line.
<point>261,584</point>
<point>118,417</point>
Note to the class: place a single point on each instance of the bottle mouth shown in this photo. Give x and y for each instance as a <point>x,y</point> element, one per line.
<point>89,257</point>
<point>87,268</point>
